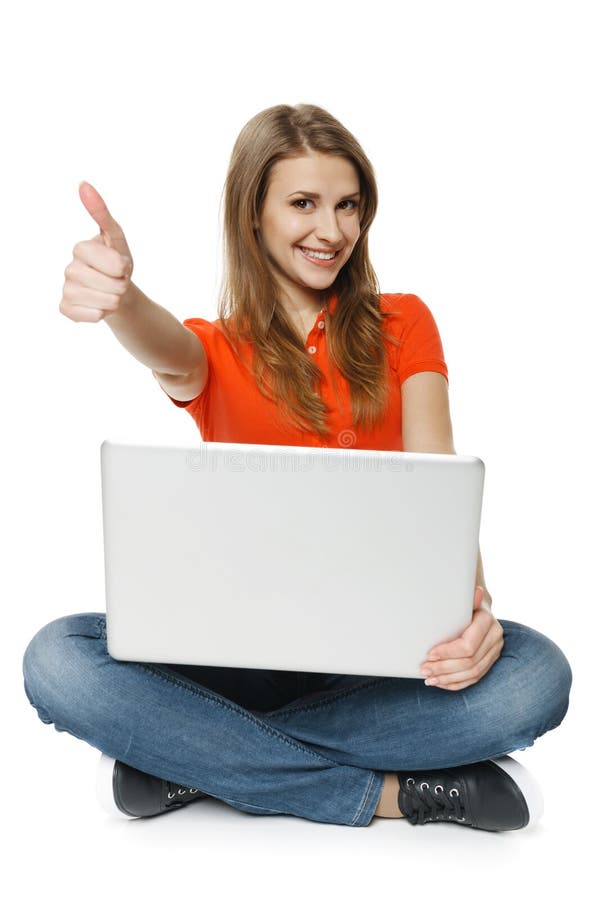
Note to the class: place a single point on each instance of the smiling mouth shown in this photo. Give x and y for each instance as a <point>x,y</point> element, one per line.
<point>319,254</point>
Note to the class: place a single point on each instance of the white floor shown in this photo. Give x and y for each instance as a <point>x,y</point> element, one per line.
<point>58,838</point>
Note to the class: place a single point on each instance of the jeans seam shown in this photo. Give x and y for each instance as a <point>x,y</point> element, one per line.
<point>364,800</point>
<point>253,805</point>
<point>327,701</point>
<point>237,709</point>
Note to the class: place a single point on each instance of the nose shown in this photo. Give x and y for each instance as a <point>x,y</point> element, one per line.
<point>327,228</point>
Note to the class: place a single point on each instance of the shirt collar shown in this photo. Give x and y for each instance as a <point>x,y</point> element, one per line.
<point>332,304</point>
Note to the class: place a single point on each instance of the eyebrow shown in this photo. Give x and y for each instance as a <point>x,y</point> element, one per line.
<point>318,196</point>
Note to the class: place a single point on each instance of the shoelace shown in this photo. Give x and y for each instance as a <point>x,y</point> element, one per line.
<point>424,806</point>
<point>176,793</point>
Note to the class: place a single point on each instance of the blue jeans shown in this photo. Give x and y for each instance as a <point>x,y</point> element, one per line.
<point>306,744</point>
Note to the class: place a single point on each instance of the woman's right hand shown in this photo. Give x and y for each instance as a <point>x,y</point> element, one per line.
<point>98,278</point>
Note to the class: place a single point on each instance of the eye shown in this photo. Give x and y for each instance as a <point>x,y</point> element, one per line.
<point>306,200</point>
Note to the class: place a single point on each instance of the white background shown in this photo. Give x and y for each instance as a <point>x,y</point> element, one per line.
<point>480,119</point>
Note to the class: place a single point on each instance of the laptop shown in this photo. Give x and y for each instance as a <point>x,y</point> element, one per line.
<point>309,559</point>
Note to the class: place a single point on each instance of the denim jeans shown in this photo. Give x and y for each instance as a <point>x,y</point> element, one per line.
<point>306,744</point>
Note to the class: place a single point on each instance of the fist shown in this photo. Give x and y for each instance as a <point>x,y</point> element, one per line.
<point>98,278</point>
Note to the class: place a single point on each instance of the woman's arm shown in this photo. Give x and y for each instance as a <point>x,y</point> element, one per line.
<point>426,424</point>
<point>154,336</point>
<point>427,428</point>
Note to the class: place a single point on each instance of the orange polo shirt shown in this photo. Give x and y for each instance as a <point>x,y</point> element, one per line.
<point>231,409</point>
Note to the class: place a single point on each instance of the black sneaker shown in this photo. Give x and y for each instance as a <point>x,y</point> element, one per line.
<point>495,795</point>
<point>124,791</point>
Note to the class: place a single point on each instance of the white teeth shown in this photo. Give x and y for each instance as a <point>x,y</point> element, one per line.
<point>317,255</point>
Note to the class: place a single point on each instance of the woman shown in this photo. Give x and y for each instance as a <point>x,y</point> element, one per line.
<point>305,351</point>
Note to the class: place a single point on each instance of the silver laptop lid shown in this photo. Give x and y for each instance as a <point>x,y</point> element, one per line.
<point>284,557</point>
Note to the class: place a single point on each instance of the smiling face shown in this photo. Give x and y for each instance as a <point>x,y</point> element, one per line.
<point>312,202</point>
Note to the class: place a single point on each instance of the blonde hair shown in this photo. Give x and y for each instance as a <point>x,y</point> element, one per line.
<point>248,307</point>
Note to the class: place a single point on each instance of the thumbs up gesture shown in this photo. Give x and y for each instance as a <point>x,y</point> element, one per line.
<point>98,278</point>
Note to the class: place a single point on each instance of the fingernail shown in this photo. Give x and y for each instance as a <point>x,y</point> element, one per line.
<point>432,657</point>
<point>426,672</point>
<point>431,681</point>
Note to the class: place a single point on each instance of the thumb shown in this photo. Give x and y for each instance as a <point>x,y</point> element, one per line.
<point>110,229</point>
<point>478,599</point>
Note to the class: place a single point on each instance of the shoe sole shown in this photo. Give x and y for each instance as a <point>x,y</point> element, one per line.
<point>104,788</point>
<point>526,783</point>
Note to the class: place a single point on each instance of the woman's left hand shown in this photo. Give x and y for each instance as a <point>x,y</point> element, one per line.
<point>459,663</point>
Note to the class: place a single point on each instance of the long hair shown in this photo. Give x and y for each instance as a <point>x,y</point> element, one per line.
<point>248,307</point>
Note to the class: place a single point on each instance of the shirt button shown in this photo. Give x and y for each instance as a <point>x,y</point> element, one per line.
<point>312,349</point>
<point>321,324</point>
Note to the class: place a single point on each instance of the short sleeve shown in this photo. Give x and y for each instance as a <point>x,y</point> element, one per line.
<point>420,348</point>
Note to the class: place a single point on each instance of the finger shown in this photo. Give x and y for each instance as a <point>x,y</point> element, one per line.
<point>98,210</point>
<point>458,687</point>
<point>81,273</point>
<point>97,255</point>
<point>466,644</point>
<point>82,313</point>
<point>88,299</point>
<point>465,678</point>
<point>458,663</point>
<point>471,671</point>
